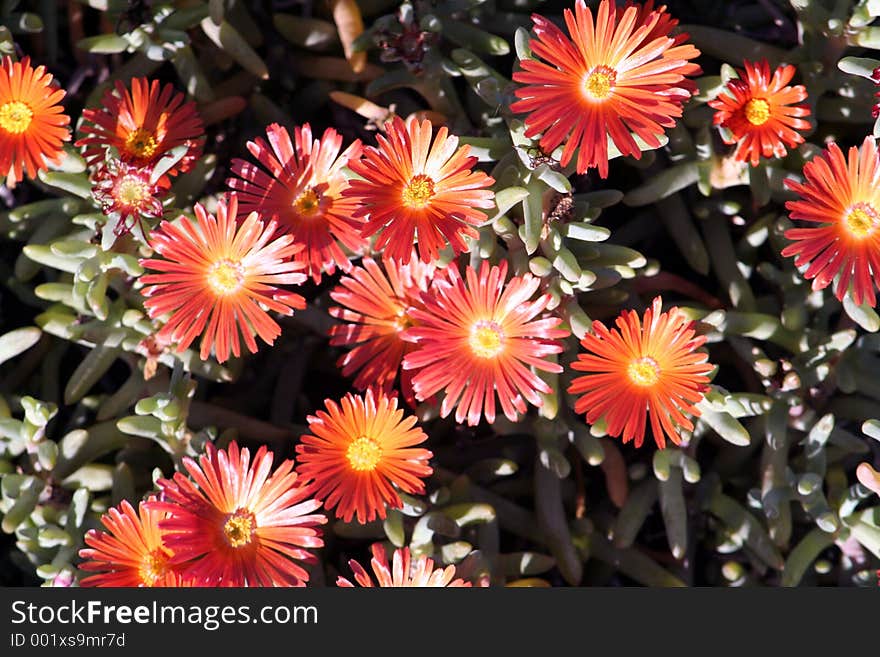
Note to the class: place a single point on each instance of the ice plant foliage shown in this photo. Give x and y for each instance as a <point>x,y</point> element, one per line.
<point>128,190</point>
<point>142,125</point>
<point>219,279</point>
<point>375,303</point>
<point>402,572</point>
<point>611,76</point>
<point>761,113</point>
<point>360,453</point>
<point>302,192</point>
<point>131,552</point>
<point>641,368</point>
<point>237,523</point>
<point>477,339</point>
<point>33,126</point>
<point>418,190</point>
<point>840,200</point>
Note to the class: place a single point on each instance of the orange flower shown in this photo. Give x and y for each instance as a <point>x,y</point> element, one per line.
<point>759,112</point>
<point>360,454</point>
<point>33,126</point>
<point>640,367</point>
<point>221,275</point>
<point>234,524</point>
<point>478,338</point>
<point>128,191</point>
<point>403,573</point>
<point>143,125</point>
<point>132,553</point>
<point>303,193</point>
<point>414,190</point>
<point>607,78</point>
<point>843,197</point>
<point>375,306</point>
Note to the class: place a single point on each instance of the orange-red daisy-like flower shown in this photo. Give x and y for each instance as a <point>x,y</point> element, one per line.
<point>128,191</point>
<point>218,278</point>
<point>130,553</point>
<point>363,451</point>
<point>33,125</point>
<point>641,367</point>
<point>843,197</point>
<point>759,112</point>
<point>606,78</point>
<point>235,524</point>
<point>303,193</point>
<point>375,304</point>
<point>402,573</point>
<point>143,125</point>
<point>477,338</point>
<point>415,190</point>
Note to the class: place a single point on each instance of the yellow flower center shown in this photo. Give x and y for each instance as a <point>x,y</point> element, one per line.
<point>486,339</point>
<point>364,454</point>
<point>239,528</point>
<point>226,277</point>
<point>757,111</point>
<point>418,192</point>
<point>131,191</point>
<point>307,204</point>
<point>15,116</point>
<point>643,371</point>
<point>600,82</point>
<point>861,220</point>
<point>154,565</point>
<point>141,143</point>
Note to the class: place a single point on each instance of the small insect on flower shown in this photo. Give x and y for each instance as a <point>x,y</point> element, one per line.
<point>640,368</point>
<point>33,126</point>
<point>842,196</point>
<point>128,191</point>
<point>477,338</point>
<point>303,193</point>
<point>362,452</point>
<point>218,279</point>
<point>142,126</point>
<point>607,78</point>
<point>760,113</point>
<point>374,304</point>
<point>235,524</point>
<point>131,552</point>
<point>414,190</point>
<point>402,573</point>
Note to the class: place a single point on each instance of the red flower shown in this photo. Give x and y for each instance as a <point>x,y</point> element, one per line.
<point>128,191</point>
<point>641,367</point>
<point>234,524</point>
<point>760,112</point>
<point>361,453</point>
<point>143,125</point>
<point>843,198</point>
<point>477,338</point>
<point>403,573</point>
<point>604,79</point>
<point>218,279</point>
<point>415,191</point>
<point>375,306</point>
<point>33,126</point>
<point>130,553</point>
<point>303,193</point>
